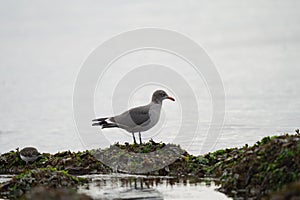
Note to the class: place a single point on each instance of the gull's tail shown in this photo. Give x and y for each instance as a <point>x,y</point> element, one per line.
<point>103,123</point>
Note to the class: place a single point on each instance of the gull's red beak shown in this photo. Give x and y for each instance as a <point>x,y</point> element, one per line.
<point>171,98</point>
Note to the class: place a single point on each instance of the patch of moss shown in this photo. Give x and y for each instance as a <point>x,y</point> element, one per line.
<point>148,147</point>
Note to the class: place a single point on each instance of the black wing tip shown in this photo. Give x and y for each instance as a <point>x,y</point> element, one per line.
<point>100,119</point>
<point>104,124</point>
<point>99,123</point>
<point>110,125</point>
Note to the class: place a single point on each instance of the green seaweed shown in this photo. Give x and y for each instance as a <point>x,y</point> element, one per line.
<point>270,163</point>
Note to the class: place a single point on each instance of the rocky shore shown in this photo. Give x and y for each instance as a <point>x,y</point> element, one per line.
<point>268,169</point>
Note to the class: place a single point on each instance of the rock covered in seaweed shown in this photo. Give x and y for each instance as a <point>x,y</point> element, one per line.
<point>255,171</point>
<point>139,159</point>
<point>289,191</point>
<point>75,163</point>
<point>250,171</point>
<point>47,177</point>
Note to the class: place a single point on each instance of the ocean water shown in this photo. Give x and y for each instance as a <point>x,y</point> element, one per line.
<point>254,46</point>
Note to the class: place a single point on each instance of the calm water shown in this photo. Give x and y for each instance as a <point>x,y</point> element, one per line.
<point>118,186</point>
<point>123,186</point>
<point>255,46</point>
<point>4,178</point>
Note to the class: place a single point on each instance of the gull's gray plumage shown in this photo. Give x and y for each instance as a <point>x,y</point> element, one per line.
<point>140,115</point>
<point>137,119</point>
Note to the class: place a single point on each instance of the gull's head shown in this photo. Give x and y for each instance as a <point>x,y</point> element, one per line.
<point>160,95</point>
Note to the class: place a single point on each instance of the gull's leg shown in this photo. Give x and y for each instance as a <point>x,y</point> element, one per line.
<point>133,138</point>
<point>26,165</point>
<point>140,138</point>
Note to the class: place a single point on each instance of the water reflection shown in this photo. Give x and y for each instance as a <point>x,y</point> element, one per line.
<point>122,186</point>
<point>4,178</point>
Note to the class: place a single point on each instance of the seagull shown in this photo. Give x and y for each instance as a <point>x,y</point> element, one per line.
<point>137,119</point>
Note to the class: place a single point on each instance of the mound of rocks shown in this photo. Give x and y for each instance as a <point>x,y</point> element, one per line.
<point>46,177</point>
<point>75,163</point>
<point>248,172</point>
<point>260,169</point>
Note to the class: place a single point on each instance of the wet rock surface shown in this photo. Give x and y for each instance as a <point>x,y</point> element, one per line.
<point>289,191</point>
<point>249,172</point>
<point>46,193</point>
<point>149,158</point>
<point>49,178</point>
<point>75,163</point>
<point>256,171</point>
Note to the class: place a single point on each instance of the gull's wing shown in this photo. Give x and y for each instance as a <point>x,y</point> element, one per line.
<point>140,115</point>
<point>133,117</point>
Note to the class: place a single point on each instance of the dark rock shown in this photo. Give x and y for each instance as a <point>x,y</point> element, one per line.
<point>48,177</point>
<point>290,191</point>
<point>45,193</point>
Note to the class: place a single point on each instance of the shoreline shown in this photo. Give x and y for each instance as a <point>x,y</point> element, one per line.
<point>269,166</point>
